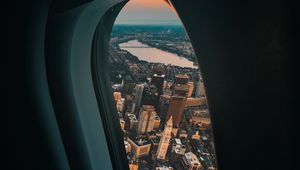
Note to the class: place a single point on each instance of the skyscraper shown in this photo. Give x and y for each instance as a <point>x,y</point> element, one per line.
<point>178,98</point>
<point>146,119</point>
<point>176,107</point>
<point>139,89</point>
<point>165,140</point>
<point>158,81</point>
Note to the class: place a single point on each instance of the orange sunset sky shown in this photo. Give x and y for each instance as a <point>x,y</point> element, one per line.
<point>147,12</point>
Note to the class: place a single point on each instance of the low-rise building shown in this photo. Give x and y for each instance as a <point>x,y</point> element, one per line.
<point>196,136</point>
<point>140,146</point>
<point>178,150</point>
<point>198,101</point>
<point>183,134</point>
<point>164,168</point>
<point>200,118</point>
<point>133,166</point>
<point>191,162</point>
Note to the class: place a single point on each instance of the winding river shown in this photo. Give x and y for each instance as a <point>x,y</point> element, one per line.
<point>151,54</point>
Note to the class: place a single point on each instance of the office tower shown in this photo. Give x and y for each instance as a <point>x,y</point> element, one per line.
<point>158,81</point>
<point>165,140</point>
<point>178,99</point>
<point>128,103</point>
<point>139,89</point>
<point>176,108</point>
<point>146,119</point>
<point>150,96</point>
<point>191,88</point>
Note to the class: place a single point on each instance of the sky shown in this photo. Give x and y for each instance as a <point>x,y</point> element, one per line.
<point>147,12</point>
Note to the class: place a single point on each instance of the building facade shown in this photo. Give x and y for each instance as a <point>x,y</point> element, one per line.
<point>146,119</point>
<point>165,140</point>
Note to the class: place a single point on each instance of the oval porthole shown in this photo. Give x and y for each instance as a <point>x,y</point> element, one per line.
<point>158,90</point>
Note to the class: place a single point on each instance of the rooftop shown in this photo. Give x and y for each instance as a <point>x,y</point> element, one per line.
<point>140,141</point>
<point>191,158</point>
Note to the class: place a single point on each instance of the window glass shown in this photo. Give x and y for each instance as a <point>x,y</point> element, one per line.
<point>158,90</point>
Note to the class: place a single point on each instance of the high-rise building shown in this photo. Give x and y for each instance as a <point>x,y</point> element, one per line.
<point>180,89</point>
<point>150,96</point>
<point>128,102</point>
<point>176,108</point>
<point>139,89</point>
<point>178,99</point>
<point>146,119</point>
<point>165,140</point>
<point>158,81</point>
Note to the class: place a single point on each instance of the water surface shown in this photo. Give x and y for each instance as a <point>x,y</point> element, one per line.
<point>151,54</point>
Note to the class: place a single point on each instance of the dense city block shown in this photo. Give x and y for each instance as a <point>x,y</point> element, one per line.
<point>162,108</point>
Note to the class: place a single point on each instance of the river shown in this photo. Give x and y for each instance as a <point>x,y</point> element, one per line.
<point>155,55</point>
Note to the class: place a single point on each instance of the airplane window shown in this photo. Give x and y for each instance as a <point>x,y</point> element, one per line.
<point>158,90</point>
